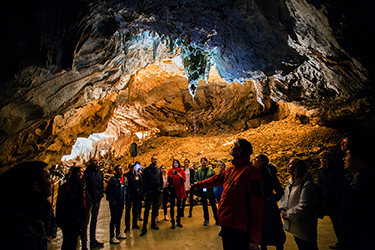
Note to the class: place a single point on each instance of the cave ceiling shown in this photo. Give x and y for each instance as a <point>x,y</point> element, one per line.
<point>72,68</point>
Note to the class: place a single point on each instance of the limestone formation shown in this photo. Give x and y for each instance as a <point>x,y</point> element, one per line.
<point>70,68</point>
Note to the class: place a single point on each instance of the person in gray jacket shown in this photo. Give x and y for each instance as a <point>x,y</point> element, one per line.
<point>297,206</point>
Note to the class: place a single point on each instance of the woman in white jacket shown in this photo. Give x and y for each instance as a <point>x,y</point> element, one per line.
<point>297,206</point>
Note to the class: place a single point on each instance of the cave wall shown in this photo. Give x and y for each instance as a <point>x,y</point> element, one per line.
<point>63,57</point>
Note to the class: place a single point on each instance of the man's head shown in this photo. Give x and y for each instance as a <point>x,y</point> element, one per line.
<point>204,162</point>
<point>241,148</point>
<point>154,160</point>
<point>94,162</point>
<point>186,163</point>
<point>220,166</point>
<point>119,171</point>
<point>27,178</point>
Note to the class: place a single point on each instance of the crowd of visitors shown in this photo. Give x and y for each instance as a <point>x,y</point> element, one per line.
<point>247,194</point>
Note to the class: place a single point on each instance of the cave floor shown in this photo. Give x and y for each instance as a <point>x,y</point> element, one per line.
<point>192,236</point>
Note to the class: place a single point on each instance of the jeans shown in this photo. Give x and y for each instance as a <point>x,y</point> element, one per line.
<point>93,210</point>
<point>205,207</point>
<point>116,214</point>
<point>191,200</point>
<point>134,207</point>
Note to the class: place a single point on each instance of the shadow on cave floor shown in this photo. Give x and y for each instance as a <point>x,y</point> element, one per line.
<point>192,236</point>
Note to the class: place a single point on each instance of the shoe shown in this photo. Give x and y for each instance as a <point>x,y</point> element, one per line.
<point>166,217</point>
<point>217,223</point>
<point>220,233</point>
<point>155,227</point>
<point>173,224</point>
<point>114,240</point>
<point>121,236</point>
<point>136,227</point>
<point>126,229</point>
<point>205,223</point>
<point>179,225</point>
<point>144,231</point>
<point>336,246</point>
<point>96,244</point>
<point>190,215</point>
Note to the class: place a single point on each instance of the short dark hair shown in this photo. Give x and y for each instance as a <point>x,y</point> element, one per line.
<point>264,158</point>
<point>187,160</point>
<point>204,158</point>
<point>247,148</point>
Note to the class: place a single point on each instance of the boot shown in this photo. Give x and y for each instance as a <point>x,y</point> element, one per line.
<point>179,223</point>
<point>190,213</point>
<point>173,224</point>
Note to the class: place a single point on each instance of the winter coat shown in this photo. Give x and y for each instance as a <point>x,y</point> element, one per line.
<point>333,183</point>
<point>70,206</point>
<point>356,213</point>
<point>272,227</point>
<point>176,182</point>
<point>241,205</point>
<point>298,202</point>
<point>116,192</point>
<point>94,183</point>
<point>203,174</point>
<point>135,186</point>
<point>152,180</point>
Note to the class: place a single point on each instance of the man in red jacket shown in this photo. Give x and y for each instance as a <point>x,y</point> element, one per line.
<point>241,206</point>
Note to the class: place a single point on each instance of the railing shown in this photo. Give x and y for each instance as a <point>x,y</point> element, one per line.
<point>58,178</point>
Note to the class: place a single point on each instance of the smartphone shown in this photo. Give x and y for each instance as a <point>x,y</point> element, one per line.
<point>204,189</point>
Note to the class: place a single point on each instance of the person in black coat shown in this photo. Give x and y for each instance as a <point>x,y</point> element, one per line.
<point>152,187</point>
<point>356,215</point>
<point>332,181</point>
<point>272,227</point>
<point>71,208</point>
<point>116,196</point>
<point>94,183</point>
<point>24,209</point>
<point>135,192</point>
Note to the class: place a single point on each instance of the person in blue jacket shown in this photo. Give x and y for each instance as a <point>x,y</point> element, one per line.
<point>116,196</point>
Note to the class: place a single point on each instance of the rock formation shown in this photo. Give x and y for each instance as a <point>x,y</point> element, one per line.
<point>70,68</point>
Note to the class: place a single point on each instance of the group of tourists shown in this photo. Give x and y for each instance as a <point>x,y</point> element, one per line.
<point>247,192</point>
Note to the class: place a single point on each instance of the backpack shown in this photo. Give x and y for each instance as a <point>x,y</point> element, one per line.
<point>319,206</point>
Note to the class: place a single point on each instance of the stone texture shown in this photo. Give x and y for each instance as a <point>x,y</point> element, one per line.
<point>62,58</point>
